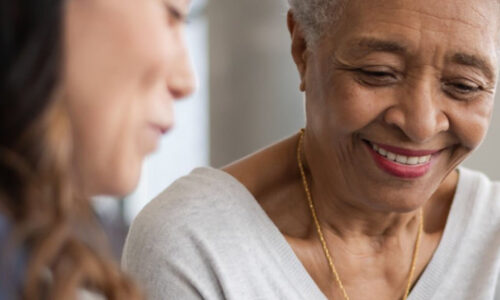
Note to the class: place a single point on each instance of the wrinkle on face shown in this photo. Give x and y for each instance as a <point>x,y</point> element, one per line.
<point>436,12</point>
<point>446,18</point>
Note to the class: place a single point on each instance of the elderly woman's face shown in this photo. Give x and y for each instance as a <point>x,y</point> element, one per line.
<point>400,93</point>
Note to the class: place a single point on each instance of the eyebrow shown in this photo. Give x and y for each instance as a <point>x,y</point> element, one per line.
<point>474,61</point>
<point>367,45</point>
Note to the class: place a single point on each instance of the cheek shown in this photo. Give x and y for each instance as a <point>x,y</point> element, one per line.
<point>358,107</point>
<point>107,147</point>
<point>347,107</point>
<point>470,122</point>
<point>122,147</point>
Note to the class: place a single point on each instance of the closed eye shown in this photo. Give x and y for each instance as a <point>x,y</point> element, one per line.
<point>462,89</point>
<point>175,14</point>
<point>377,77</point>
<point>376,73</point>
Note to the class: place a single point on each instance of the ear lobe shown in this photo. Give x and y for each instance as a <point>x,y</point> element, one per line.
<point>299,47</point>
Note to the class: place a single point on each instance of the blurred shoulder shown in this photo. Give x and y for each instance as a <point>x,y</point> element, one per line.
<point>172,242</point>
<point>202,193</point>
<point>203,202</point>
<point>13,260</point>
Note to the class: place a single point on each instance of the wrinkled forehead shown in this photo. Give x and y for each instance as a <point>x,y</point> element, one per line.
<point>479,14</point>
<point>483,14</point>
<point>461,25</point>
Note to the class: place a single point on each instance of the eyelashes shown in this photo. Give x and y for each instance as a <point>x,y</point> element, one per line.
<point>377,76</point>
<point>174,14</point>
<point>382,76</point>
<point>462,90</point>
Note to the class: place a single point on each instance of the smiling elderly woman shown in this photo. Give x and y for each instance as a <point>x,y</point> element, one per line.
<point>369,201</point>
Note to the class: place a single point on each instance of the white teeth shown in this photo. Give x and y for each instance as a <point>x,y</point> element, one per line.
<point>391,156</point>
<point>412,160</point>
<point>424,159</point>
<point>402,159</point>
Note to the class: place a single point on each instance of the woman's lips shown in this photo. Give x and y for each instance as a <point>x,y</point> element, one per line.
<point>152,135</point>
<point>400,162</point>
<point>161,129</point>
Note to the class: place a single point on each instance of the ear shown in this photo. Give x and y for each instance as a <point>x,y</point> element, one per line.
<point>299,48</point>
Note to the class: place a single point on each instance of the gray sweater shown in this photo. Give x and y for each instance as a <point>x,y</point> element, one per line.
<point>206,237</point>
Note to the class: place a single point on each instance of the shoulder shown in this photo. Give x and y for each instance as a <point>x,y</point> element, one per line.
<point>205,196</point>
<point>481,197</point>
<point>12,261</point>
<point>173,242</point>
<point>196,208</point>
<point>479,186</point>
<point>469,247</point>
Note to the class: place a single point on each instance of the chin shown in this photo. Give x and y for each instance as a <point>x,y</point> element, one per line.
<point>124,181</point>
<point>129,184</point>
<point>397,200</point>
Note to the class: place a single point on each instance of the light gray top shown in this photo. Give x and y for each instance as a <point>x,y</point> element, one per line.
<point>206,237</point>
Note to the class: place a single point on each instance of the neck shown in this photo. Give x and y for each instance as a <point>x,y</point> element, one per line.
<point>348,221</point>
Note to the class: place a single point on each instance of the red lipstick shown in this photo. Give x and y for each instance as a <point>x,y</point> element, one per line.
<point>398,169</point>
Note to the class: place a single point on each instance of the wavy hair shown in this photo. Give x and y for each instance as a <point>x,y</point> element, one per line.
<point>55,227</point>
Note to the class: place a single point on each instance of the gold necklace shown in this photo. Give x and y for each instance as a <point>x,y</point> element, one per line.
<point>322,238</point>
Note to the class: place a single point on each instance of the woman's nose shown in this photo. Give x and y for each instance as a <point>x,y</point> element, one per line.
<point>419,113</point>
<point>181,82</point>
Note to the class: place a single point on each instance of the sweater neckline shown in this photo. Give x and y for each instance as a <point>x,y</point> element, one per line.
<point>430,277</point>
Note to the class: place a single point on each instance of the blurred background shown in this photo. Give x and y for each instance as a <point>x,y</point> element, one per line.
<point>247,98</point>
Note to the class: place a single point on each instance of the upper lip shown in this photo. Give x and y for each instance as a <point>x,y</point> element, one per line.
<point>405,151</point>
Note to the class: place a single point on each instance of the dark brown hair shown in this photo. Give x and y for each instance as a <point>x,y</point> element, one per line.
<point>54,226</point>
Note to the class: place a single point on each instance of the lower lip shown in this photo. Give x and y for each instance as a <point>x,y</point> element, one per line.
<point>154,136</point>
<point>159,130</point>
<point>400,170</point>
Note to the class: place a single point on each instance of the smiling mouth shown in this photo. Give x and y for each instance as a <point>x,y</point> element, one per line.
<point>401,162</point>
<point>400,158</point>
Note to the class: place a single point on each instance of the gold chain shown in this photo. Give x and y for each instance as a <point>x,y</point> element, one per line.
<point>322,238</point>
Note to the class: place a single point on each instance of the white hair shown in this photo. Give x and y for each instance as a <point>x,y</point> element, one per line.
<point>314,16</point>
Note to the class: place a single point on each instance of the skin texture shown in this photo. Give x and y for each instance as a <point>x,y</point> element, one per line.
<point>418,75</point>
<point>125,64</point>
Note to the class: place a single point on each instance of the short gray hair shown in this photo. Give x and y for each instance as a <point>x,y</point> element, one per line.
<point>314,16</point>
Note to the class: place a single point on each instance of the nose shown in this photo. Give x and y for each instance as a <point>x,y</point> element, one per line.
<point>418,113</point>
<point>181,80</point>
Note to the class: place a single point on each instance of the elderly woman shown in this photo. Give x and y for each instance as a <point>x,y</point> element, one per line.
<point>369,201</point>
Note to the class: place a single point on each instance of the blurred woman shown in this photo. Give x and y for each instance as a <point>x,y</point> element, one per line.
<point>86,91</point>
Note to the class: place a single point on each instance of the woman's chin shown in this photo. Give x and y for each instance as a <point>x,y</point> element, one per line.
<point>120,183</point>
<point>397,200</point>
<point>128,184</point>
